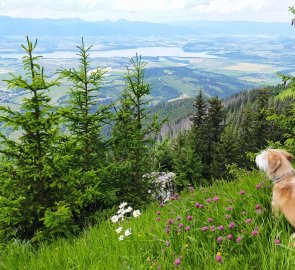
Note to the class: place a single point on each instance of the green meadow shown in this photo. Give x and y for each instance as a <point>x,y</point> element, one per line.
<point>228,225</point>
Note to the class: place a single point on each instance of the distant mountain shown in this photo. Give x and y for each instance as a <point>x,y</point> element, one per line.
<point>77,27</point>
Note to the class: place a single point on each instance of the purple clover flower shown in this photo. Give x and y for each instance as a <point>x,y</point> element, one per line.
<point>218,258</point>
<point>232,225</point>
<point>210,219</point>
<point>219,239</point>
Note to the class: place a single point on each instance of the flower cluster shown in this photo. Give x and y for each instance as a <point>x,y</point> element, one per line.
<point>124,210</point>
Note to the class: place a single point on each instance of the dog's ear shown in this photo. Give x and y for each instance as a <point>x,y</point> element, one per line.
<point>274,161</point>
<point>287,155</point>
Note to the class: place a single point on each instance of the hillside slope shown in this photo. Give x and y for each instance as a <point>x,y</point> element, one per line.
<point>226,226</point>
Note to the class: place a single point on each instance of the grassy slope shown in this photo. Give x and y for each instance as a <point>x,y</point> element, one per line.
<point>147,247</point>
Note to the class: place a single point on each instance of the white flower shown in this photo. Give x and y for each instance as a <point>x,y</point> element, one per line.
<point>129,209</point>
<point>121,237</point>
<point>114,219</point>
<point>121,216</point>
<point>119,230</point>
<point>122,205</point>
<point>127,232</point>
<point>136,213</point>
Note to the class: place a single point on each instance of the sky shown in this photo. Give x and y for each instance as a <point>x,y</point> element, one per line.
<point>151,10</point>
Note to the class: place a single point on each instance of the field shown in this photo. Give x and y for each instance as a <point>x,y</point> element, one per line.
<point>228,225</point>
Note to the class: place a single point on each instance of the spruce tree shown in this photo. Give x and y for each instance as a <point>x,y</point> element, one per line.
<point>28,168</point>
<point>133,136</point>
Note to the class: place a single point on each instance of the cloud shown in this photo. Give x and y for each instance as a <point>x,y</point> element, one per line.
<point>149,10</point>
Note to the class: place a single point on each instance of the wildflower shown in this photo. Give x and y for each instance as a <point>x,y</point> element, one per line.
<point>129,209</point>
<point>221,227</point>
<point>119,230</point>
<point>208,200</point>
<point>197,205</point>
<point>167,229</point>
<point>121,237</point>
<point>212,228</point>
<point>170,221</point>
<point>231,225</point>
<point>201,205</point>
<point>254,233</point>
<point>204,229</point>
<point>122,205</point>
<point>277,241</point>
<point>128,232</point>
<point>167,243</point>
<point>258,206</point>
<point>218,258</point>
<point>158,219</point>
<point>161,204</point>
<point>136,213</point>
<point>230,237</point>
<point>114,219</point>
<point>230,208</point>
<point>181,225</point>
<point>187,228</point>
<point>158,213</point>
<point>177,262</point>
<point>242,192</point>
<point>215,199</point>
<point>258,186</point>
<point>248,220</point>
<point>219,239</point>
<point>210,219</point>
<point>227,216</point>
<point>189,217</point>
<point>239,239</point>
<point>178,218</point>
<point>186,245</point>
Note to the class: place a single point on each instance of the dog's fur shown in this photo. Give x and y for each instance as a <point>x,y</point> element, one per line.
<point>277,164</point>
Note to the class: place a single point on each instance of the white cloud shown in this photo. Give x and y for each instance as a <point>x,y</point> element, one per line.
<point>150,10</point>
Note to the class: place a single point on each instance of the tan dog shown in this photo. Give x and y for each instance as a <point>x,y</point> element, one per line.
<point>277,164</point>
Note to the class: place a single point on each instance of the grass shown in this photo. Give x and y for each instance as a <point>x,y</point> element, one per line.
<point>160,238</point>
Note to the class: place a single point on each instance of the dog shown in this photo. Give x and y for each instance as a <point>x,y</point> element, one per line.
<point>277,164</point>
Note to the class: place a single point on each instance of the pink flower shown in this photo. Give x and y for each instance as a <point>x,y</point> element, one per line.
<point>189,217</point>
<point>239,239</point>
<point>158,219</point>
<point>204,229</point>
<point>242,192</point>
<point>177,262</point>
<point>230,208</point>
<point>254,233</point>
<point>258,186</point>
<point>161,204</point>
<point>167,229</point>
<point>187,228</point>
<point>212,228</point>
<point>230,237</point>
<point>277,241</point>
<point>181,225</point>
<point>170,221</point>
<point>158,213</point>
<point>167,243</point>
<point>248,220</point>
<point>208,200</point>
<point>178,218</point>
<point>215,199</point>
<point>197,205</point>
<point>227,216</point>
<point>218,258</point>
<point>258,206</point>
<point>201,205</point>
<point>221,227</point>
<point>210,219</point>
<point>219,239</point>
<point>231,225</point>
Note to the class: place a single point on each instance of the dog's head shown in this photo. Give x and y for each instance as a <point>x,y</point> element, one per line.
<point>274,161</point>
